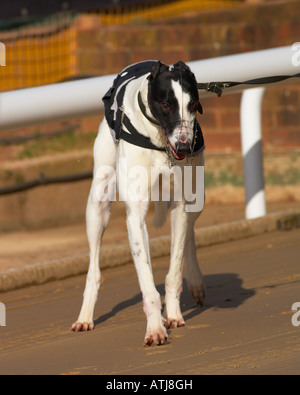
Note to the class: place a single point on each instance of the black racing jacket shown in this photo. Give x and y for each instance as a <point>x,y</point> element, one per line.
<point>113,105</point>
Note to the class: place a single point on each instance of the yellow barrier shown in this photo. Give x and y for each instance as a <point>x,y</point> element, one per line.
<point>121,15</point>
<point>39,54</point>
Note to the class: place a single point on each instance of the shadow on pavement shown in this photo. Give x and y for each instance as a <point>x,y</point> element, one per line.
<point>223,291</point>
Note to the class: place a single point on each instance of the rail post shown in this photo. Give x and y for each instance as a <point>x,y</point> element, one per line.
<point>251,138</point>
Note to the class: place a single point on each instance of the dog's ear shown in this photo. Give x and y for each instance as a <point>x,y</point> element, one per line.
<point>156,69</point>
<point>182,66</point>
<point>199,108</point>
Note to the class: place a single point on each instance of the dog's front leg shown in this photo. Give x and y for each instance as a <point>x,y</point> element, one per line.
<point>97,217</point>
<point>179,227</point>
<point>139,243</point>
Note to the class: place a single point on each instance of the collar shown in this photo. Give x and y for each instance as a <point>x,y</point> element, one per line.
<point>143,109</point>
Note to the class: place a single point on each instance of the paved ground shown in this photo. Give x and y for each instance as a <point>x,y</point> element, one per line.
<point>28,247</point>
<point>244,327</point>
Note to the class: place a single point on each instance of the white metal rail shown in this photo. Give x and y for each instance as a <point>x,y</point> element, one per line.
<point>78,99</point>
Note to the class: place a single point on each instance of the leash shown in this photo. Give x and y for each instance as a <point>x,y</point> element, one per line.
<point>219,87</point>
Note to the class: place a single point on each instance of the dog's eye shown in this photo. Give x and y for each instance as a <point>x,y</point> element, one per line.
<point>165,106</point>
<point>193,105</point>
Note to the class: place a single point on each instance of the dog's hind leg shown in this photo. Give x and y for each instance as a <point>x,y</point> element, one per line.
<point>194,276</point>
<point>97,217</point>
<point>161,212</point>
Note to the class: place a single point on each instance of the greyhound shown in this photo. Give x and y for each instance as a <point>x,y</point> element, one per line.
<point>150,123</point>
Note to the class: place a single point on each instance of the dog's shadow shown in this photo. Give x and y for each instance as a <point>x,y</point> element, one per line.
<point>223,291</point>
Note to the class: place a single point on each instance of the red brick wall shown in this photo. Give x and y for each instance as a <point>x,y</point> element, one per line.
<point>106,50</point>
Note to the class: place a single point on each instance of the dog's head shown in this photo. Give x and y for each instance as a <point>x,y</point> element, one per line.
<point>174,101</point>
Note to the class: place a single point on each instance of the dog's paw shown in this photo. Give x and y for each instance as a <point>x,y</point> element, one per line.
<point>198,293</point>
<point>173,323</point>
<point>82,326</point>
<point>156,337</point>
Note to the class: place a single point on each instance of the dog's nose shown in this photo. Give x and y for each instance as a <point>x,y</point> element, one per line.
<point>182,145</point>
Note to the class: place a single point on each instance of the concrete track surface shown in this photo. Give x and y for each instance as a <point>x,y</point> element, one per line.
<point>244,327</point>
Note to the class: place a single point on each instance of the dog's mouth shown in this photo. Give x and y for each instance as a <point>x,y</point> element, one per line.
<point>182,147</point>
<point>177,155</point>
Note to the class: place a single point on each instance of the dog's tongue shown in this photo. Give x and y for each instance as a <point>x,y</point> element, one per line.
<point>177,155</point>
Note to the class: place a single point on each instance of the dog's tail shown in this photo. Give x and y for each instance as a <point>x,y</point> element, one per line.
<point>161,212</point>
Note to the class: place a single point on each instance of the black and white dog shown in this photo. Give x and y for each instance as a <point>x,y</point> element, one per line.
<point>150,123</point>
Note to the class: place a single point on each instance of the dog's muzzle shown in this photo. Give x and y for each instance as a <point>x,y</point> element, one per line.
<point>182,146</point>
